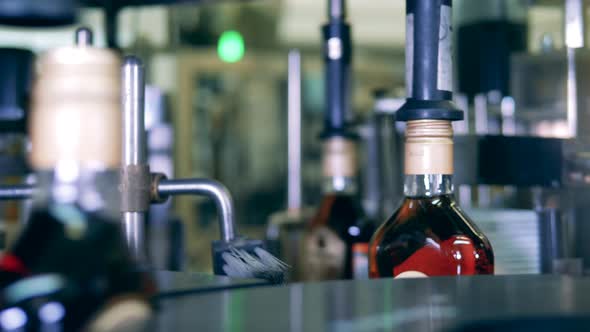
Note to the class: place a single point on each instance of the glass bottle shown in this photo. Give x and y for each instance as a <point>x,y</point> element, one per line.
<point>429,235</point>
<point>335,244</point>
<point>71,254</point>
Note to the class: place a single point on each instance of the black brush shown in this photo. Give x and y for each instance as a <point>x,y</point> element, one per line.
<point>233,256</point>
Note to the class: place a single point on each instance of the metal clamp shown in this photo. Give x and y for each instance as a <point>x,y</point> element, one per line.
<point>135,188</point>
<point>155,196</point>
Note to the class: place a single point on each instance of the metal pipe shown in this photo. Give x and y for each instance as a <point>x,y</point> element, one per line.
<point>16,192</point>
<point>294,132</point>
<point>134,140</point>
<point>133,225</point>
<point>336,9</point>
<point>574,38</point>
<point>210,188</point>
<point>572,93</point>
<point>134,145</point>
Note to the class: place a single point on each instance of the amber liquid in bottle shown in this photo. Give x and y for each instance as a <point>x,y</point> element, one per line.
<point>429,235</point>
<point>335,243</point>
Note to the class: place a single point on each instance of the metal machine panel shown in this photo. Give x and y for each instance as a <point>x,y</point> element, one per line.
<point>509,160</point>
<point>429,304</point>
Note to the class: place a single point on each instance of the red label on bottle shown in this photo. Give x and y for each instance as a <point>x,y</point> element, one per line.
<point>454,256</point>
<point>13,264</point>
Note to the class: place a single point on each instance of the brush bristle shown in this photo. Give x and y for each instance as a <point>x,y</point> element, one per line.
<point>262,265</point>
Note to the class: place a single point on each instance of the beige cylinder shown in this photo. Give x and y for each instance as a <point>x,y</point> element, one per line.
<point>76,109</point>
<point>339,157</point>
<point>429,147</point>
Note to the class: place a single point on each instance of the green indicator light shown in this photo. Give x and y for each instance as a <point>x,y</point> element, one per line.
<point>230,47</point>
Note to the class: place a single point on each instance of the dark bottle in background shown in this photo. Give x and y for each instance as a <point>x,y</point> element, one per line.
<point>336,240</point>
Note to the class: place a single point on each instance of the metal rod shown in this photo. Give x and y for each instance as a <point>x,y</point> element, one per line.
<point>210,188</point>
<point>294,132</point>
<point>572,93</point>
<point>133,225</point>
<point>336,9</point>
<point>16,192</point>
<point>574,38</point>
<point>134,140</point>
<point>134,145</point>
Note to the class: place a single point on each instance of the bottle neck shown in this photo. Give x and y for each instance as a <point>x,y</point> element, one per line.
<point>91,190</point>
<point>339,166</point>
<point>345,185</point>
<point>428,185</point>
<point>428,158</point>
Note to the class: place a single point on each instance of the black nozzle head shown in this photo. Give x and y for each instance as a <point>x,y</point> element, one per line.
<point>328,133</point>
<point>415,109</point>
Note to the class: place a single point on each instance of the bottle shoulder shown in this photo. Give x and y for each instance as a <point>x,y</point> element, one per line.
<point>432,236</point>
<point>343,215</point>
<point>337,208</point>
<point>438,218</point>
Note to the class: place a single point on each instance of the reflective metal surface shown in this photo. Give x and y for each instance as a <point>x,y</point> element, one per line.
<point>134,146</point>
<point>134,139</point>
<point>171,283</point>
<point>133,225</point>
<point>294,131</point>
<point>433,304</point>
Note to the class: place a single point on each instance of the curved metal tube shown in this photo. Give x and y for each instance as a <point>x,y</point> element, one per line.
<point>16,192</point>
<point>210,188</point>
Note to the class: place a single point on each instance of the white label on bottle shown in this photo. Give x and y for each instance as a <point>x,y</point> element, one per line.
<point>410,274</point>
<point>445,60</point>
<point>339,158</point>
<point>334,48</point>
<point>409,53</point>
<point>324,255</point>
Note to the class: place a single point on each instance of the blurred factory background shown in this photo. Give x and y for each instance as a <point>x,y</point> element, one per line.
<point>217,105</point>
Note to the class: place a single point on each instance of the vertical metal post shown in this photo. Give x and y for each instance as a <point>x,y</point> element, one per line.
<point>461,128</point>
<point>574,38</point>
<point>372,172</point>
<point>572,93</point>
<point>480,102</point>
<point>294,131</point>
<point>134,145</point>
